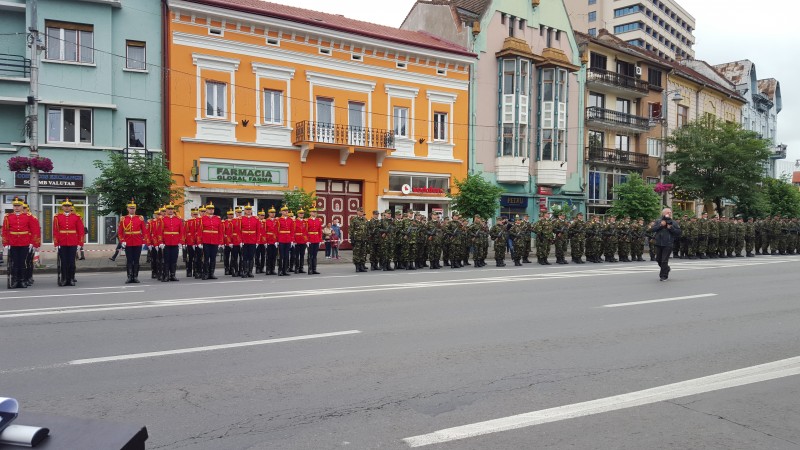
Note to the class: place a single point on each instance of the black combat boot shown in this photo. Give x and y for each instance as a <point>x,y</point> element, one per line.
<point>130,276</point>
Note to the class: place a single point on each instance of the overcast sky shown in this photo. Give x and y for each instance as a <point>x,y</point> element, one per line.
<point>765,32</point>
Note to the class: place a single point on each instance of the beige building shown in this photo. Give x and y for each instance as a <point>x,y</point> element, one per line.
<point>661,26</point>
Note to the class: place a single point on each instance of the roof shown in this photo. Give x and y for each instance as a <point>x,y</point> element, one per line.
<point>737,71</point>
<point>613,42</point>
<point>339,23</point>
<point>769,87</point>
<point>795,177</point>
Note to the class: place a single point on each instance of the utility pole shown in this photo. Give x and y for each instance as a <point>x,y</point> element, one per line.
<point>33,106</point>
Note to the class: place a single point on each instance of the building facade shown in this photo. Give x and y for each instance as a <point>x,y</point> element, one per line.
<point>267,98</point>
<point>624,132</point>
<point>661,26</point>
<point>527,102</point>
<point>99,92</point>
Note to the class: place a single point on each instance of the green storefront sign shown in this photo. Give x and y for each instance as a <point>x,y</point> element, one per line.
<point>243,174</point>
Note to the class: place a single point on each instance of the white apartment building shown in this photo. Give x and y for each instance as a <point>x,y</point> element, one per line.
<point>661,26</point>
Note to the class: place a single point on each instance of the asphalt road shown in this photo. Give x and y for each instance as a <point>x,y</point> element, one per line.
<point>557,357</point>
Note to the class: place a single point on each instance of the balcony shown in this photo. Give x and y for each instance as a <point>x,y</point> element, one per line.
<point>15,67</point>
<point>618,158</point>
<point>616,121</point>
<point>512,169</point>
<point>348,139</point>
<point>617,83</point>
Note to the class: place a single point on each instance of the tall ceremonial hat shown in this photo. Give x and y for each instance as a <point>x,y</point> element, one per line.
<point>262,212</point>
<point>202,208</point>
<point>66,202</point>
<point>170,206</point>
<point>132,203</point>
<point>284,208</point>
<point>271,209</point>
<point>300,211</point>
<point>210,205</point>
<point>194,210</point>
<point>312,209</point>
<point>291,214</point>
<point>230,211</point>
<point>248,206</point>
<point>18,202</point>
<point>238,209</point>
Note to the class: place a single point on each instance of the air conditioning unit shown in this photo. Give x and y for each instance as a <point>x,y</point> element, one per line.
<point>638,71</point>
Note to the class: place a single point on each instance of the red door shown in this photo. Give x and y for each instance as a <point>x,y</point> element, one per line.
<point>339,199</point>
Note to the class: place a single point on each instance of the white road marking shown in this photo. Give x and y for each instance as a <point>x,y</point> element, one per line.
<point>660,300</point>
<point>70,295</point>
<point>78,362</point>
<point>740,377</point>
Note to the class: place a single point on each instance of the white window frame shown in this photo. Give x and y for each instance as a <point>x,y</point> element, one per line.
<point>130,63</point>
<point>82,49</point>
<point>440,125</point>
<point>400,120</point>
<point>128,129</point>
<point>654,147</point>
<point>77,112</point>
<point>273,114</point>
<point>215,101</point>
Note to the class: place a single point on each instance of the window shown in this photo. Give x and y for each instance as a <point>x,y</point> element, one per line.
<point>69,125</point>
<point>652,180</point>
<point>683,115</point>
<point>136,133</point>
<point>626,68</point>
<point>619,12</point>
<point>654,147</point>
<point>598,61</point>
<point>654,77</point>
<point>135,55</point>
<point>511,26</point>
<point>401,65</point>
<point>592,31</point>
<point>654,110</point>
<point>273,107</point>
<point>597,139</point>
<point>273,41</point>
<point>627,27</point>
<point>592,16</point>
<point>439,126</point>
<point>215,99</point>
<point>324,51</point>
<point>70,42</point>
<point>592,2</point>
<point>400,122</point>
<point>547,145</point>
<point>597,100</point>
<point>356,57</point>
<point>396,182</point>
<point>601,185</point>
<point>553,120</point>
<point>623,106</point>
<point>508,140</point>
<point>623,143</point>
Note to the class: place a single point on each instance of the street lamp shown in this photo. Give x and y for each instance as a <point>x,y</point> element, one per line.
<point>677,98</point>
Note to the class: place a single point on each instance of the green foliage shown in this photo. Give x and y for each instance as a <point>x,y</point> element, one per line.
<point>636,199</point>
<point>716,160</point>
<point>148,181</point>
<point>753,203</point>
<point>679,213</point>
<point>561,208</point>
<point>476,196</point>
<point>783,198</point>
<point>297,199</point>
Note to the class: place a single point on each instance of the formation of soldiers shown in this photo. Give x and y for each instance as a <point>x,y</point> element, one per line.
<point>410,241</point>
<point>264,244</point>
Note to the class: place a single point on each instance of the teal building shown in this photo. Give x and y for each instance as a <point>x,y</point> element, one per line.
<point>99,91</point>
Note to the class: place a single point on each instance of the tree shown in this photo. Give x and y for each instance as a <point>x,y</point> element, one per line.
<point>147,180</point>
<point>716,160</point>
<point>476,196</point>
<point>636,199</point>
<point>299,198</point>
<point>754,203</point>
<point>782,197</point>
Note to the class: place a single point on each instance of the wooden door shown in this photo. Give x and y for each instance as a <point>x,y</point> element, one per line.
<point>339,199</point>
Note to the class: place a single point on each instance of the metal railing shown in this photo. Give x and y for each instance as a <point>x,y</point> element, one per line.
<point>14,66</point>
<point>617,157</point>
<point>617,79</point>
<point>330,133</point>
<point>616,118</point>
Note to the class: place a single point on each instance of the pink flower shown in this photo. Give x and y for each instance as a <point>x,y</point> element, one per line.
<point>663,187</point>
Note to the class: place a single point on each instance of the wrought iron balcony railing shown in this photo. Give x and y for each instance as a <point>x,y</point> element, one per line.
<point>344,135</point>
<point>14,66</point>
<point>617,157</point>
<point>618,80</point>
<point>617,119</point>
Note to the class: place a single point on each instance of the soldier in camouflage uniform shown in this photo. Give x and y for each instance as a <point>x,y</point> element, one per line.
<point>359,237</point>
<point>637,239</point>
<point>775,234</point>
<point>386,238</point>
<point>526,219</point>
<point>454,232</point>
<point>713,236</point>
<point>561,232</point>
<point>624,239</point>
<point>434,236</point>
<point>690,230</point>
<point>782,243</point>
<point>498,235</point>
<point>422,241</point>
<point>466,242</point>
<point>702,237</point>
<point>794,236</point>
<point>766,230</point>
<point>373,230</point>
<point>483,241</point>
<point>724,232</point>
<point>577,237</point>
<point>409,252</point>
<point>517,235</point>
<point>594,240</point>
<point>446,241</point>
<point>397,239</point>
<point>544,238</point>
<point>738,236</point>
<point>474,232</point>
<point>758,225</point>
<point>610,238</point>
<point>749,237</point>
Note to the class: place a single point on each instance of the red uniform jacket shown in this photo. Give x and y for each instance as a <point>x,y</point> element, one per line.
<point>189,231</point>
<point>210,231</point>
<point>132,230</point>
<point>301,231</point>
<point>68,230</point>
<point>156,228</point>
<point>250,229</point>
<point>314,230</point>
<point>271,231</point>
<point>285,230</point>
<point>262,231</point>
<point>172,230</point>
<point>21,230</point>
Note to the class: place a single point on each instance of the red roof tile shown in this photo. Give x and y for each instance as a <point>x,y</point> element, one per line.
<point>338,23</point>
<point>795,177</point>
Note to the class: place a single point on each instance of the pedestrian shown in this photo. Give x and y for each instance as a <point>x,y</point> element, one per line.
<point>326,238</point>
<point>336,238</point>
<point>667,232</point>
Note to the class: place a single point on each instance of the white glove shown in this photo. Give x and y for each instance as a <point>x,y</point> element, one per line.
<point>199,245</point>
<point>8,248</point>
<point>241,245</point>
<point>161,246</point>
<point>221,247</point>
<point>230,245</point>
<point>276,245</point>
<point>30,246</point>
<point>124,244</point>
<point>81,247</point>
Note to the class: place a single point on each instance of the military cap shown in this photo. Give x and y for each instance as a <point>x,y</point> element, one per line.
<point>376,212</point>
<point>210,205</point>
<point>284,208</point>
<point>18,202</point>
<point>271,209</point>
<point>132,203</point>
<point>262,212</point>
<point>300,211</point>
<point>360,209</point>
<point>230,212</point>
<point>201,209</point>
<point>238,208</point>
<point>248,206</point>
<point>193,210</point>
<point>170,206</point>
<point>64,203</point>
<point>312,209</point>
<point>388,211</point>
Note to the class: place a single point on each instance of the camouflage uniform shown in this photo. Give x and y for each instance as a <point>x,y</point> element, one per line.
<point>386,237</point>
<point>758,230</point>
<point>446,238</point>
<point>374,245</point>
<point>577,237</point>
<point>594,240</point>
<point>624,240</point>
<point>637,240</point>
<point>517,234</point>
<point>498,235</point>
<point>544,237</point>
<point>455,232</point>
<point>477,234</point>
<point>690,230</point>
<point>358,237</point>
<point>434,235</point>
<point>610,239</point>
<point>561,232</point>
<point>702,237</point>
<point>749,237</point>
<point>739,233</point>
<point>713,237</point>
<point>528,240</point>
<point>784,240</point>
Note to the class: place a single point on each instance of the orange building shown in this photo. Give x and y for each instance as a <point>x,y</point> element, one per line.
<point>265,98</point>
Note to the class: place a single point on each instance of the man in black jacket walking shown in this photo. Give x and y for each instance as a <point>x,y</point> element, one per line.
<point>666,233</point>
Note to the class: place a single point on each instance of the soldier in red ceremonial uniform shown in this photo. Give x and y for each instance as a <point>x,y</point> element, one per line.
<point>156,250</point>
<point>285,237</point>
<point>20,235</point>
<point>300,240</point>
<point>314,228</point>
<point>198,248</point>
<point>211,237</point>
<point>250,228</point>
<point>68,235</point>
<point>189,233</point>
<point>236,243</point>
<point>31,252</point>
<point>171,240</point>
<point>261,247</point>
<point>271,241</point>
<point>131,232</point>
<point>227,228</point>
